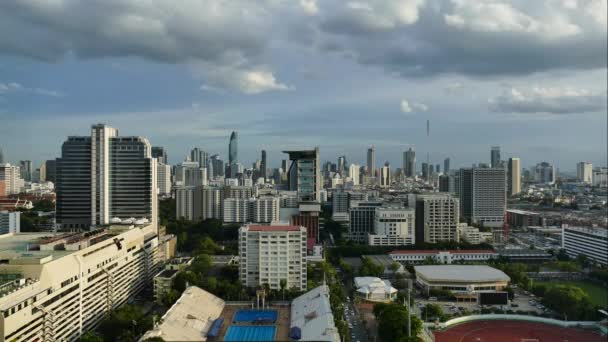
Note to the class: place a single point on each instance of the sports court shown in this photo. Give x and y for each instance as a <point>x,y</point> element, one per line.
<point>514,331</point>
<point>255,316</point>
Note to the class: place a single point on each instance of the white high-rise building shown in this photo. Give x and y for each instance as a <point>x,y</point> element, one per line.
<point>237,210</point>
<point>270,254</point>
<point>353,173</point>
<point>185,202</point>
<point>163,173</point>
<point>385,176</point>
<point>266,209</point>
<point>213,203</point>
<point>393,226</point>
<point>600,177</point>
<point>69,283</point>
<point>361,219</point>
<point>584,172</point>
<point>10,222</point>
<point>514,176</point>
<point>11,175</point>
<point>437,217</point>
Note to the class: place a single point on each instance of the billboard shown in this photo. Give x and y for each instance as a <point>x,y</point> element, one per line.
<point>493,298</point>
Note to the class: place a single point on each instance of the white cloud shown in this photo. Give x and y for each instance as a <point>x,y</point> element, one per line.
<point>13,87</point>
<point>406,107</point>
<point>309,6</point>
<point>549,100</point>
<point>244,81</point>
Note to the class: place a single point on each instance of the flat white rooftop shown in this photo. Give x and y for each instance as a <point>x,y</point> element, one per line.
<point>461,273</point>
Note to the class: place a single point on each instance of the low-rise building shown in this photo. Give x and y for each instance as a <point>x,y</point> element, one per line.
<point>444,257</point>
<point>525,255</point>
<point>465,281</point>
<point>375,289</point>
<point>312,318</point>
<point>589,242</point>
<point>162,283</point>
<point>473,236</point>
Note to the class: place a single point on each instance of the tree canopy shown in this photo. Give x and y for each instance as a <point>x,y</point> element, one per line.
<point>392,323</point>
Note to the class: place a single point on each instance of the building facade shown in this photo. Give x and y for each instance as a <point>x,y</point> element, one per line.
<point>11,177</point>
<point>514,176</point>
<point>393,226</point>
<point>271,254</point>
<point>589,242</point>
<point>584,172</point>
<point>483,195</point>
<point>437,217</point>
<point>10,222</point>
<point>304,174</point>
<point>361,220</point>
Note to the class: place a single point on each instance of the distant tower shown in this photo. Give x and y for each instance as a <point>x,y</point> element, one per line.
<point>263,165</point>
<point>1,156</point>
<point>371,161</point>
<point>409,162</point>
<point>233,156</point>
<point>514,176</point>
<point>495,156</point>
<point>446,165</point>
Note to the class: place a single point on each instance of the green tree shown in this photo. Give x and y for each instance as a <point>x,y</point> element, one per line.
<point>392,323</point>
<point>432,312</point>
<point>283,284</point>
<point>91,336</point>
<point>201,264</point>
<point>126,323</point>
<point>568,300</point>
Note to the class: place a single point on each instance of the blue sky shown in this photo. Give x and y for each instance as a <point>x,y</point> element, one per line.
<point>527,76</point>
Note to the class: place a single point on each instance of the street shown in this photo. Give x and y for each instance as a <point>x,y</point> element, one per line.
<point>356,327</point>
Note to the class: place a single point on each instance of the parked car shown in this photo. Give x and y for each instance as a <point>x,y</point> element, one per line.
<point>433,299</point>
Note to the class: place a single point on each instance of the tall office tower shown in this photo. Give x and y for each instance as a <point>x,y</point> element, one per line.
<point>58,294</point>
<point>514,176</point>
<point>10,222</point>
<point>50,168</point>
<point>212,203</point>
<point>425,171</point>
<point>233,154</point>
<point>160,154</point>
<point>270,254</point>
<point>584,172</point>
<point>446,165</point>
<point>544,173</point>
<point>1,156</point>
<point>304,174</point>
<point>354,174</point>
<point>105,176</point>
<point>11,177</point>
<point>264,166</point>
<point>163,175</point>
<point>437,217</point>
<point>495,156</point>
<point>385,175</point>
<point>25,167</point>
<point>362,215</point>
<point>41,173</point>
<point>437,168</point>
<point>483,195</point>
<point>339,204</point>
<point>446,183</point>
<point>199,156</point>
<point>216,166</point>
<point>371,161</point>
<point>393,226</point>
<point>409,162</point>
<point>342,165</point>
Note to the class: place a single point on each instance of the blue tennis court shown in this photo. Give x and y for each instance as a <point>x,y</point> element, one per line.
<point>260,316</point>
<point>250,333</point>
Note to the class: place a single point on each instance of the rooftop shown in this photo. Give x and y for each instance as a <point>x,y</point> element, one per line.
<point>19,245</point>
<point>453,251</point>
<point>603,232</point>
<point>311,312</point>
<point>461,273</point>
<point>255,228</point>
<point>512,251</point>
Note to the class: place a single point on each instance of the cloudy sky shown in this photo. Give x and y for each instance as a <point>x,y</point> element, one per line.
<point>529,76</point>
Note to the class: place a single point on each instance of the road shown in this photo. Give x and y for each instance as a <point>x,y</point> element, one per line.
<point>356,327</point>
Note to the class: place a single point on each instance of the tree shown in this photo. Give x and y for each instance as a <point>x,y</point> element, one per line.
<point>283,284</point>
<point>91,336</point>
<point>562,255</point>
<point>370,268</point>
<point>392,322</point>
<point>201,264</point>
<point>432,311</point>
<point>569,300</point>
<point>126,323</point>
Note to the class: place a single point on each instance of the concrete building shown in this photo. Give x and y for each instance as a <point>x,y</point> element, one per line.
<point>393,226</point>
<point>237,210</point>
<point>385,175</point>
<point>444,257</point>
<point>189,173</point>
<point>65,285</point>
<point>446,166</point>
<point>233,155</point>
<point>163,173</point>
<point>104,177</point>
<point>197,155</point>
<point>265,209</point>
<point>25,166</point>
<point>311,314</point>
<point>269,254</point>
<point>304,174</point>
<point>339,203</point>
<point>513,176</point>
<point>472,235</point>
<point>212,202</point>
<point>495,160</point>
<point>10,222</point>
<point>523,219</point>
<point>600,177</point>
<point>163,282</point>
<point>186,204</point>
<point>51,171</point>
<point>11,177</point>
<point>264,166</point>
<point>483,195</point>
<point>354,174</point>
<point>362,215</point>
<point>409,162</point>
<point>589,242</point>
<point>437,217</point>
<point>544,173</point>
<point>584,172</point>
<point>465,281</point>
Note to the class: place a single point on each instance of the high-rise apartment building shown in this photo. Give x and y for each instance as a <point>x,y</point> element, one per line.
<point>362,215</point>
<point>409,162</point>
<point>212,202</point>
<point>393,226</point>
<point>271,254</point>
<point>237,210</point>
<point>160,154</point>
<point>10,222</point>
<point>371,161</point>
<point>185,203</point>
<point>216,166</point>
<point>163,175</point>
<point>385,175</point>
<point>105,176</point>
<point>60,287</point>
<point>304,174</point>
<point>483,195</point>
<point>189,173</point>
<point>600,177</point>
<point>25,166</point>
<point>584,172</point>
<point>354,174</point>
<point>495,157</point>
<point>513,176</point>
<point>11,177</point>
<point>199,156</point>
<point>437,217</point>
<point>265,209</point>
<point>544,173</point>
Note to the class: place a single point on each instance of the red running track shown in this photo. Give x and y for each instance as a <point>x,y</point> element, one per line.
<point>514,331</point>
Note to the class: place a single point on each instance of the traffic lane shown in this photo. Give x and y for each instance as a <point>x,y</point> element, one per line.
<point>356,327</point>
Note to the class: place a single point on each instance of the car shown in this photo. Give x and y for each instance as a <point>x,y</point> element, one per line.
<point>514,305</point>
<point>433,299</point>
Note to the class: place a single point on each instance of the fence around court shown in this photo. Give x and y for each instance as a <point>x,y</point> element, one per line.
<point>472,318</point>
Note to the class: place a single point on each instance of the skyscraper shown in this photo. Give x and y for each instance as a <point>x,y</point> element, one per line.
<point>160,154</point>
<point>342,166</point>
<point>371,161</point>
<point>385,175</point>
<point>1,156</point>
<point>514,176</point>
<point>544,173</point>
<point>304,174</point>
<point>51,166</point>
<point>263,166</point>
<point>26,170</point>
<point>437,217</point>
<point>584,172</point>
<point>199,156</point>
<point>409,162</point>
<point>446,165</point>
<point>105,176</point>
<point>495,156</point>
<point>483,195</point>
<point>425,171</point>
<point>233,154</point>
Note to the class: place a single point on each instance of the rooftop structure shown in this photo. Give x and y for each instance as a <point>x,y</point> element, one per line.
<point>311,314</point>
<point>461,273</point>
<point>375,289</point>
